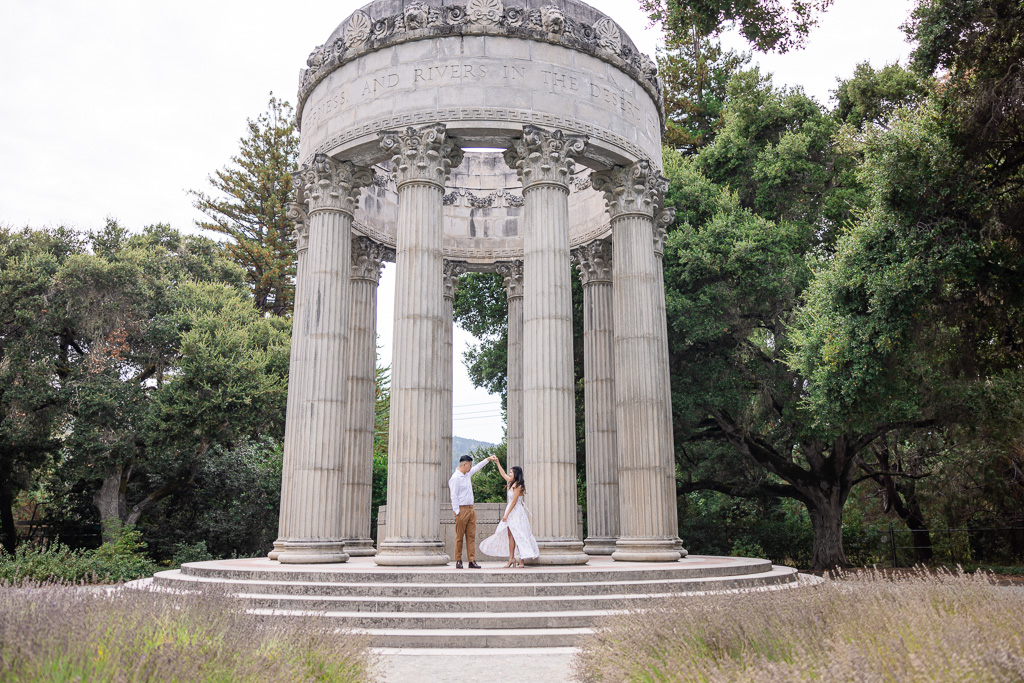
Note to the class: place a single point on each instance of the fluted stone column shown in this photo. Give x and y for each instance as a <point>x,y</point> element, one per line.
<point>643,416</point>
<point>298,214</point>
<point>661,223</point>
<point>544,162</point>
<point>512,272</point>
<point>422,160</point>
<point>315,478</point>
<point>452,271</point>
<point>357,478</point>
<point>594,261</point>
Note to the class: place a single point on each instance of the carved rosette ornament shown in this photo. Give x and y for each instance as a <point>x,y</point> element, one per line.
<point>608,36</point>
<point>452,271</point>
<point>543,156</point>
<point>331,185</point>
<point>594,261</point>
<point>359,28</point>
<point>512,273</point>
<point>368,259</point>
<point>484,12</point>
<point>296,213</point>
<point>661,223</point>
<point>634,189</point>
<point>421,154</point>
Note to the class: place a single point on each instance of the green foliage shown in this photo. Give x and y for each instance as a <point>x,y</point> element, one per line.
<point>122,559</point>
<point>481,308</point>
<point>249,207</point>
<point>190,552</point>
<point>381,427</point>
<point>488,485</point>
<point>872,97</point>
<point>63,633</point>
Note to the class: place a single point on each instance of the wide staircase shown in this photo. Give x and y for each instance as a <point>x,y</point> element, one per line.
<point>443,607</point>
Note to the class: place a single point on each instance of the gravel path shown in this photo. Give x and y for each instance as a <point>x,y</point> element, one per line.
<point>476,665</point>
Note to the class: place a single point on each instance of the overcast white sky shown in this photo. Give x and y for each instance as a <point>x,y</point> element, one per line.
<point>116,108</point>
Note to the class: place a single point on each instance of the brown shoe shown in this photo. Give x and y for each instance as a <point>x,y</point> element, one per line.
<point>474,565</point>
<point>458,564</point>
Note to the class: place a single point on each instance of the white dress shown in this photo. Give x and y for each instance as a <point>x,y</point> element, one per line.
<point>496,545</point>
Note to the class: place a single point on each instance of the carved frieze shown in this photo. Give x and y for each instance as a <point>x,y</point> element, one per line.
<point>512,274</point>
<point>484,12</point>
<point>499,199</point>
<point>543,156</point>
<point>359,29</point>
<point>368,258</point>
<point>452,271</point>
<point>608,36</point>
<point>635,189</point>
<point>552,20</point>
<point>328,184</point>
<point>594,261</point>
<point>296,213</point>
<point>425,154</point>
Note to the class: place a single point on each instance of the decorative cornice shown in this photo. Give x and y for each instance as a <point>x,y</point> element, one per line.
<point>512,272</point>
<point>426,20</point>
<point>498,199</point>
<point>331,185</point>
<point>368,259</point>
<point>542,156</point>
<point>630,190</point>
<point>661,223</point>
<point>594,261</point>
<point>452,271</point>
<point>296,213</point>
<point>423,154</point>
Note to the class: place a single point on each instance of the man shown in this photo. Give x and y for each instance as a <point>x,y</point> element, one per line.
<point>460,486</point>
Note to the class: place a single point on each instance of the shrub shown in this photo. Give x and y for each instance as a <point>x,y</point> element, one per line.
<point>865,627</point>
<point>64,633</point>
<point>122,559</point>
<point>190,552</point>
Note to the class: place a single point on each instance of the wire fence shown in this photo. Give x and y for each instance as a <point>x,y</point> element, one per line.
<point>897,546</point>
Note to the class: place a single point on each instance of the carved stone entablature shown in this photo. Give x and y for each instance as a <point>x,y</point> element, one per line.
<point>381,180</point>
<point>296,213</point>
<point>543,156</point>
<point>452,271</point>
<point>328,184</point>
<point>581,182</point>
<point>512,272</point>
<point>421,154</point>
<point>368,258</point>
<point>499,199</point>
<point>635,189</point>
<point>594,261</point>
<point>661,223</point>
<point>429,19</point>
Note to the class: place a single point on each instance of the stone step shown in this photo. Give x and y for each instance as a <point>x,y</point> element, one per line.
<point>362,570</point>
<point>476,638</point>
<point>444,620</point>
<point>175,579</point>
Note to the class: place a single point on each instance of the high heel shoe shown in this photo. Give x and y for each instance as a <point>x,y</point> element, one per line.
<point>510,563</point>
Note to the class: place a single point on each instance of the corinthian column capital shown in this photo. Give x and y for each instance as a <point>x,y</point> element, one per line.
<point>545,157</point>
<point>452,271</point>
<point>331,185</point>
<point>512,272</point>
<point>423,154</point>
<point>635,189</point>
<point>298,214</point>
<point>368,259</point>
<point>594,261</point>
<point>661,224</point>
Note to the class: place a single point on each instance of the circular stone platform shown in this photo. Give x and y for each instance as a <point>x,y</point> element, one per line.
<point>404,607</point>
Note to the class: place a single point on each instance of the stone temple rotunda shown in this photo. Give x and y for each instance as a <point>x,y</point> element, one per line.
<point>521,138</point>
<point>518,137</point>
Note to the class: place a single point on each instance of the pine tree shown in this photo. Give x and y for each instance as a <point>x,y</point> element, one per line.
<point>249,207</point>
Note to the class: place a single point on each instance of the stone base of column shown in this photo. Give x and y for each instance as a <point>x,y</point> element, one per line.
<point>312,552</point>
<point>411,554</point>
<point>559,552</point>
<point>360,547</point>
<point>276,551</point>
<point>599,546</point>
<point>645,550</point>
<point>679,547</point>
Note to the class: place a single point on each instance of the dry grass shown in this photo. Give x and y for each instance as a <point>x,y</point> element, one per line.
<point>67,633</point>
<point>859,628</point>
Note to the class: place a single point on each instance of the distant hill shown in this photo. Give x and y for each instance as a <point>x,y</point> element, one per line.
<point>461,447</point>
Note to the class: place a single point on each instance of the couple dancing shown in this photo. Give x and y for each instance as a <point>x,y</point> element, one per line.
<point>513,533</point>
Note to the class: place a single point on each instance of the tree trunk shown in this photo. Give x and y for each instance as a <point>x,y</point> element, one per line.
<point>827,523</point>
<point>919,530</point>
<point>8,532</point>
<point>111,503</point>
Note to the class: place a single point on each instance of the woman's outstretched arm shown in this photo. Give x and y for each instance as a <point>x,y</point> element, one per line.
<point>504,475</point>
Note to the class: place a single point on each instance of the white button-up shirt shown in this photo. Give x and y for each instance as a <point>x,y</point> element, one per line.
<point>461,488</point>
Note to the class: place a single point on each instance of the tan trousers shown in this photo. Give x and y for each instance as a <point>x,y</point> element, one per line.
<point>465,525</point>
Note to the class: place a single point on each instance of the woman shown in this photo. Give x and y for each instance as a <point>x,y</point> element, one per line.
<point>514,530</point>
